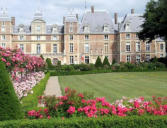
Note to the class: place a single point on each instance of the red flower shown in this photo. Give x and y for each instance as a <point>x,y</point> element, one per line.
<point>71,110</point>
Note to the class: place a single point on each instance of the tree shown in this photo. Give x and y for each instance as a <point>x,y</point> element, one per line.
<point>155,24</point>
<point>10,106</point>
<point>106,62</point>
<point>49,63</point>
<point>98,63</point>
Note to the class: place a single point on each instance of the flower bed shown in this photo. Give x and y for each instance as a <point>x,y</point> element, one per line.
<point>74,104</point>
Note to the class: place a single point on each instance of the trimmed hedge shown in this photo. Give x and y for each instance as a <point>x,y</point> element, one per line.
<point>31,101</point>
<point>10,107</point>
<point>103,122</point>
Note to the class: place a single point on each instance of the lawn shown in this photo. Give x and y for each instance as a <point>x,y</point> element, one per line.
<point>115,85</point>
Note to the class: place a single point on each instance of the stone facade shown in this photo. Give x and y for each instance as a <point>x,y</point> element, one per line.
<point>83,41</point>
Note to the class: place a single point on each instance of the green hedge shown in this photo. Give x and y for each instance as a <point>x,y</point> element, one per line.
<point>103,122</point>
<point>31,101</point>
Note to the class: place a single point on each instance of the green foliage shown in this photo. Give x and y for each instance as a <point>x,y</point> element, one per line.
<point>49,63</point>
<point>106,62</point>
<point>155,20</point>
<point>42,57</point>
<point>10,107</point>
<point>98,63</point>
<point>105,122</point>
<point>31,101</point>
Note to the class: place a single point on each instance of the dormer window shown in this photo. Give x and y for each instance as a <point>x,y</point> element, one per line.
<point>54,30</point>
<point>38,28</point>
<point>127,26</point>
<point>106,28</point>
<point>86,29</point>
<point>21,29</point>
<point>71,27</point>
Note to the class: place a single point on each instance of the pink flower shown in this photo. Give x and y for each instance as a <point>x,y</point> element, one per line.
<point>81,95</point>
<point>136,104</point>
<point>4,60</point>
<point>49,117</point>
<point>141,112</point>
<point>71,110</point>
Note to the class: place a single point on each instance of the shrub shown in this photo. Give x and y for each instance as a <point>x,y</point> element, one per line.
<point>106,62</point>
<point>10,107</point>
<point>31,100</point>
<point>98,63</point>
<point>49,63</point>
<point>105,122</point>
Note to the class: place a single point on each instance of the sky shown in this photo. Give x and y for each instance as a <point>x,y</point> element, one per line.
<point>54,10</point>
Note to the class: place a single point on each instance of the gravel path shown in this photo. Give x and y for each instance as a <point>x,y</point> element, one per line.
<point>53,87</point>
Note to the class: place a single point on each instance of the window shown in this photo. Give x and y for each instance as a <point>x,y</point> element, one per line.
<point>128,46</point>
<point>106,48</point>
<point>137,36</point>
<point>138,59</point>
<point>3,45</point>
<point>38,28</point>
<point>21,37</point>
<point>2,29</point>
<point>147,57</point>
<point>3,37</point>
<point>147,46</point>
<point>21,29</point>
<point>54,48</point>
<point>86,37</point>
<point>137,46</point>
<point>71,47</point>
<point>38,37</point>
<point>3,23</point>
<point>54,37</point>
<point>86,29</point>
<point>22,47</point>
<point>161,47</point>
<point>86,48</point>
<point>105,37</point>
<point>87,59</point>
<point>71,60</point>
<point>38,48</point>
<point>128,36</point>
<point>106,28</point>
<point>161,55</point>
<point>71,37</point>
<point>128,58</point>
<point>71,27</point>
<point>54,30</point>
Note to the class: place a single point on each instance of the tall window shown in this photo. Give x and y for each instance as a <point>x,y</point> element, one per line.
<point>137,36</point>
<point>2,29</point>
<point>38,48</point>
<point>138,58</point>
<point>54,48</point>
<point>21,37</point>
<point>128,58</point>
<point>54,37</point>
<point>38,37</point>
<point>128,46</point>
<point>161,55</point>
<point>3,23</point>
<point>148,57</point>
<point>71,27</point>
<point>86,37</point>
<point>87,59</point>
<point>105,37</point>
<point>161,47</point>
<point>3,37</point>
<point>71,37</point>
<point>71,47</point>
<point>137,46</point>
<point>127,35</point>
<point>3,45</point>
<point>38,28</point>
<point>106,48</point>
<point>22,47</point>
<point>71,59</point>
<point>86,48</point>
<point>147,46</point>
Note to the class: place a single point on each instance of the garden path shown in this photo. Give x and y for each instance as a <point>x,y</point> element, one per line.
<point>53,87</point>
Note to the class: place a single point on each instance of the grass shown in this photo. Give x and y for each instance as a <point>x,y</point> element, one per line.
<point>31,101</point>
<point>115,85</point>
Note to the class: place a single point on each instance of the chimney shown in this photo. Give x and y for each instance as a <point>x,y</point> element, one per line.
<point>116,18</point>
<point>132,11</point>
<point>13,20</point>
<point>64,19</point>
<point>77,16</point>
<point>92,9</point>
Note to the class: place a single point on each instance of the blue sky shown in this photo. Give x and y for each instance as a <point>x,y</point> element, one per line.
<point>54,10</point>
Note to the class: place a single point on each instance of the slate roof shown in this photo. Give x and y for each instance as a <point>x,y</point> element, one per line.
<point>96,22</point>
<point>134,20</point>
<point>71,18</point>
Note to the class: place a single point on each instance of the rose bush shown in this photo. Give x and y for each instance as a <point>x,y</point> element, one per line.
<point>78,104</point>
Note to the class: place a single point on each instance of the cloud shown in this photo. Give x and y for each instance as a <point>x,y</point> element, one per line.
<point>54,10</point>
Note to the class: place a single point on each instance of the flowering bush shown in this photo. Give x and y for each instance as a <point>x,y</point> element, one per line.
<point>78,104</point>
